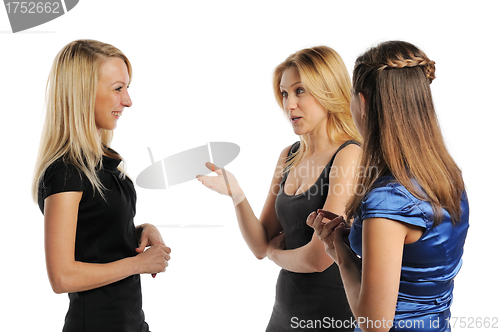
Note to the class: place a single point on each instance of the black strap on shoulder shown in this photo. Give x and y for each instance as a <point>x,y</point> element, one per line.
<point>294,148</point>
<point>346,143</point>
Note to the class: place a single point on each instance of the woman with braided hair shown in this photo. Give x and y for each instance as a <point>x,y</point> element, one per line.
<point>411,216</point>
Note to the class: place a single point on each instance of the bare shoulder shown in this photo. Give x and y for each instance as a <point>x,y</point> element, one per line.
<point>345,163</point>
<point>284,155</point>
<point>348,155</point>
<point>286,150</point>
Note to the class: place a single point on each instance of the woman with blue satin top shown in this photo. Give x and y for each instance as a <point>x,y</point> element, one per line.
<point>410,211</point>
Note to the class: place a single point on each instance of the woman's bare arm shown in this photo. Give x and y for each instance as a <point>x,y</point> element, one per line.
<point>67,275</point>
<point>255,231</point>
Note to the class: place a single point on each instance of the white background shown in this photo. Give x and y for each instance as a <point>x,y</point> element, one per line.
<point>202,72</point>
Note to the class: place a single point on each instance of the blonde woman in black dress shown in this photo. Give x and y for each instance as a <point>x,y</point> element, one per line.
<point>93,250</point>
<point>313,88</point>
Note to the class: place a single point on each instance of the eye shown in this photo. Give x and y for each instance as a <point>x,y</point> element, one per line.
<point>284,94</point>
<point>119,88</point>
<point>300,90</point>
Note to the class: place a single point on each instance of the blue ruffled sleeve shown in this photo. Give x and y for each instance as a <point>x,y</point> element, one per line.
<point>393,201</point>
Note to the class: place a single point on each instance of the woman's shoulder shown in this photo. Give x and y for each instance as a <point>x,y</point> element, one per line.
<point>386,187</point>
<point>60,176</point>
<point>390,199</point>
<point>349,147</point>
<point>288,150</point>
<point>348,150</point>
<point>345,159</point>
<point>62,166</point>
<point>292,148</point>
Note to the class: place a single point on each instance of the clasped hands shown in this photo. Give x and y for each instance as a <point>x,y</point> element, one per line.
<point>333,231</point>
<point>158,254</point>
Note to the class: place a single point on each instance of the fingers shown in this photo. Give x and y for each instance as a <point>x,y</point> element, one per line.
<point>213,168</point>
<point>150,235</point>
<point>328,214</point>
<point>159,256</point>
<point>142,245</point>
<point>310,219</point>
<point>223,183</point>
<point>166,253</point>
<point>320,222</point>
<point>323,227</point>
<point>315,220</point>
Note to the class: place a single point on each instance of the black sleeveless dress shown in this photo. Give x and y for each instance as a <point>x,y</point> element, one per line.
<point>308,301</point>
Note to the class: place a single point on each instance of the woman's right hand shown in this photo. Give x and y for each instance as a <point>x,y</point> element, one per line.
<point>154,259</point>
<point>224,183</point>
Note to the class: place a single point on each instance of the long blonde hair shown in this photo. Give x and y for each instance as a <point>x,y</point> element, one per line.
<point>324,75</point>
<point>70,131</point>
<point>402,131</point>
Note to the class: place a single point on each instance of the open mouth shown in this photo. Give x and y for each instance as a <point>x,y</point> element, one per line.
<point>117,114</point>
<point>295,119</point>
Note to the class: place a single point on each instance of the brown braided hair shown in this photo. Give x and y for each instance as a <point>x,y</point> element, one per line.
<point>400,62</point>
<point>401,131</point>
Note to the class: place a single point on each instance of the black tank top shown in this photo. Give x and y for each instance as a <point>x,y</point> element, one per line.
<point>307,296</point>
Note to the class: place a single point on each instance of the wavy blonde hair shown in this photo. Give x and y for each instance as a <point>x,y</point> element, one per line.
<point>70,131</point>
<point>324,75</point>
<point>402,131</point>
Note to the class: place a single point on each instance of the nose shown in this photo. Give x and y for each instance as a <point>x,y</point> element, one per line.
<point>126,101</point>
<point>290,103</point>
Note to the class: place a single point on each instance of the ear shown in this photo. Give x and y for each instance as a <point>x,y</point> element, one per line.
<point>362,104</point>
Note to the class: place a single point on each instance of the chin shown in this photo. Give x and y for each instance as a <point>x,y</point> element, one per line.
<point>299,132</point>
<point>109,128</point>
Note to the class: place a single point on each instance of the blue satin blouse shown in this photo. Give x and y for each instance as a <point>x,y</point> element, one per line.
<point>429,264</point>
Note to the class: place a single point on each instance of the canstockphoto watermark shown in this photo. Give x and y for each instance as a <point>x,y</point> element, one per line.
<point>336,324</point>
<point>325,323</point>
<point>25,15</point>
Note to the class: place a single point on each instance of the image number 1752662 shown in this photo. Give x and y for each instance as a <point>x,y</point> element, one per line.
<point>25,15</point>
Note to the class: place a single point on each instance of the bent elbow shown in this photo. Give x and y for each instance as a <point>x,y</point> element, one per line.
<point>57,287</point>
<point>260,257</point>
<point>57,290</point>
<point>259,253</point>
<point>58,283</point>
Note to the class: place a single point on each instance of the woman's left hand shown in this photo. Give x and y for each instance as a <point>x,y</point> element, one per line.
<point>330,228</point>
<point>276,243</point>
<point>148,235</point>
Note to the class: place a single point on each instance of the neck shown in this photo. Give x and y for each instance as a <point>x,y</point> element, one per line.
<point>318,141</point>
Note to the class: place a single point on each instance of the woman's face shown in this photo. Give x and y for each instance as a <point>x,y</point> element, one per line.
<point>358,111</point>
<point>305,113</point>
<point>112,93</point>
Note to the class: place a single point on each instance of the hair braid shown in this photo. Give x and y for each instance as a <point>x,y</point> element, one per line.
<point>400,62</point>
